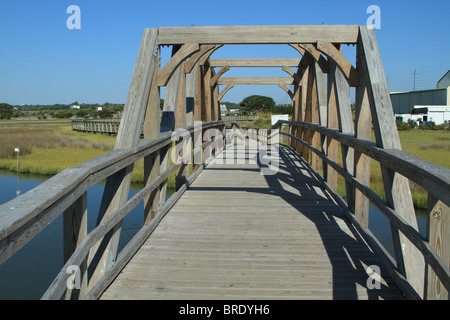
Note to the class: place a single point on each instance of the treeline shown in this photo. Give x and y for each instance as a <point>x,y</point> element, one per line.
<point>61,111</point>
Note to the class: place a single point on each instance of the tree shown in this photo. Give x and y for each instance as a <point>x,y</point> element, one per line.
<point>6,111</point>
<point>104,114</point>
<point>256,103</point>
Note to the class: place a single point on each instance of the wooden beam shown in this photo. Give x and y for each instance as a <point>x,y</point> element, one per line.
<point>291,72</point>
<point>222,93</point>
<point>182,54</point>
<point>362,162</point>
<point>118,185</point>
<point>75,229</point>
<point>151,130</point>
<point>255,62</point>
<point>332,123</point>
<point>438,235</point>
<point>397,190</point>
<point>345,126</point>
<point>317,56</point>
<point>218,75</point>
<point>204,49</point>
<point>258,34</point>
<point>346,67</point>
<point>289,92</point>
<point>253,80</point>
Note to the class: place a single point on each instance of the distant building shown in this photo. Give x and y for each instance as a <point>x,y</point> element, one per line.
<point>436,114</point>
<point>99,108</point>
<point>444,82</point>
<point>74,107</point>
<point>404,102</point>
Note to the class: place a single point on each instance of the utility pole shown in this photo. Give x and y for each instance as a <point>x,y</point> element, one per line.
<point>415,74</point>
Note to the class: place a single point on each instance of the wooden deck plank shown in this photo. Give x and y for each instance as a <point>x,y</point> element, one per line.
<point>236,234</point>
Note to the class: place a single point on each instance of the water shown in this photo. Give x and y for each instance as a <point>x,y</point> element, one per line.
<point>30,271</point>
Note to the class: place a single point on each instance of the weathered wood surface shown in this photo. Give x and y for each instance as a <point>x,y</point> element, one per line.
<point>261,62</point>
<point>237,234</point>
<point>258,34</point>
<point>255,80</point>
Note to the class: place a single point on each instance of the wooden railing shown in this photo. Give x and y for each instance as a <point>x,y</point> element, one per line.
<point>109,126</point>
<point>241,118</point>
<point>25,217</point>
<point>433,178</point>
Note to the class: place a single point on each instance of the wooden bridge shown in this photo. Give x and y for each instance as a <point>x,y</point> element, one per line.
<point>256,214</point>
<point>111,126</point>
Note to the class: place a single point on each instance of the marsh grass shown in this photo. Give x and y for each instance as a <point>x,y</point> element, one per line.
<point>47,150</point>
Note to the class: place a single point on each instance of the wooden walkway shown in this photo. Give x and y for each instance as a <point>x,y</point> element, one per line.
<point>237,234</point>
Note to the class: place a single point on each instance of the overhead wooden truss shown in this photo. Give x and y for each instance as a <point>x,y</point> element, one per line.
<point>192,94</point>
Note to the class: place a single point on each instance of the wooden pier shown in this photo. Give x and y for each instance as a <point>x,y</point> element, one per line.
<point>228,231</point>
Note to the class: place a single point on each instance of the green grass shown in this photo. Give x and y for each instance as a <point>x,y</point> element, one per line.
<point>47,150</point>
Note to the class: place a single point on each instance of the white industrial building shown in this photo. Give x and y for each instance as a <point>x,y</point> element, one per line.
<point>436,114</point>
<point>424,105</point>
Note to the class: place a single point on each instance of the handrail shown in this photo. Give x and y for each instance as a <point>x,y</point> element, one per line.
<point>25,216</point>
<point>433,178</point>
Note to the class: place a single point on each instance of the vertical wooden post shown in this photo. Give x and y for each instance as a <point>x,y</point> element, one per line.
<point>103,254</point>
<point>398,193</point>
<point>315,118</point>
<point>198,117</point>
<point>191,87</point>
<point>295,112</point>
<point>152,162</point>
<point>363,130</point>
<point>333,123</point>
<point>302,94</point>
<point>208,106</point>
<point>322,103</point>
<point>345,126</point>
<point>168,118</point>
<point>438,235</point>
<point>75,229</point>
<point>180,122</point>
<point>307,133</point>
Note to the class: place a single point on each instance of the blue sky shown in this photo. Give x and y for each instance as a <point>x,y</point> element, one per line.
<point>43,62</point>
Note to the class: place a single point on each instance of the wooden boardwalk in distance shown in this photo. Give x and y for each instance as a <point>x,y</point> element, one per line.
<point>238,234</point>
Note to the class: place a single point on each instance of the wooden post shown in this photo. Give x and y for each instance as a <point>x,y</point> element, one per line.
<point>398,193</point>
<point>75,229</point>
<point>180,122</point>
<point>152,162</point>
<point>208,106</point>
<point>103,254</point>
<point>315,118</point>
<point>322,103</point>
<point>332,119</point>
<point>168,119</point>
<point>305,134</point>
<point>191,87</point>
<point>438,235</point>
<point>363,130</point>
<point>345,126</point>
